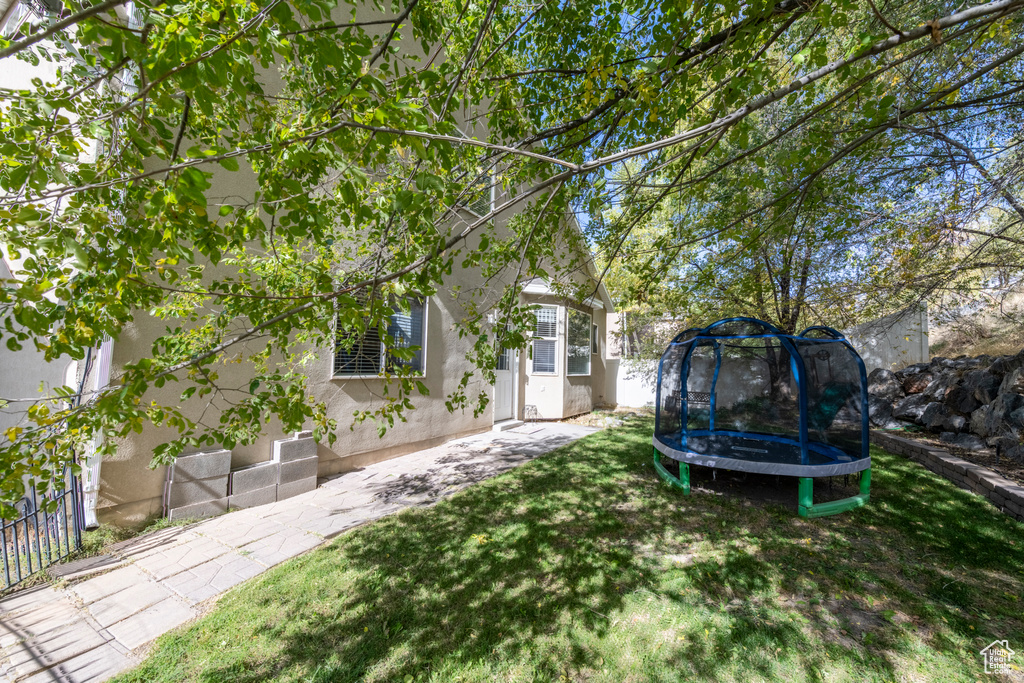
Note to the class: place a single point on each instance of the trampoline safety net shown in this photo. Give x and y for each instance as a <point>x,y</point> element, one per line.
<point>740,394</point>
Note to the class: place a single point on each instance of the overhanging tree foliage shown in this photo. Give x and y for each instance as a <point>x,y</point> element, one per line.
<point>357,135</point>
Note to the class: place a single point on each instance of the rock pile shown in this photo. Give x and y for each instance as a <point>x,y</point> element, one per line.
<point>972,403</point>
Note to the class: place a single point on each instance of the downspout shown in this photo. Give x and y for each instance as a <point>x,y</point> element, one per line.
<point>6,15</point>
<point>92,460</point>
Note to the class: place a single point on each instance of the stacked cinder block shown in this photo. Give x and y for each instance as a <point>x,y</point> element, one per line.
<point>197,485</point>
<point>253,485</point>
<point>298,465</point>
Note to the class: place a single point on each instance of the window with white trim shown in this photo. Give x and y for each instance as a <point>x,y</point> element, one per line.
<point>577,343</point>
<point>595,339</point>
<point>363,354</point>
<point>545,342</point>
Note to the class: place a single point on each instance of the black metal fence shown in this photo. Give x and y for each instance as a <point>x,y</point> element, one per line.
<point>48,529</point>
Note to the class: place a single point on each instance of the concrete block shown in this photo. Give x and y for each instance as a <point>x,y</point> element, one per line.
<point>182,493</point>
<point>285,491</point>
<point>1011,491</point>
<point>263,496</point>
<point>287,450</point>
<point>199,510</point>
<point>201,466</point>
<point>254,477</point>
<point>298,469</point>
<point>990,481</point>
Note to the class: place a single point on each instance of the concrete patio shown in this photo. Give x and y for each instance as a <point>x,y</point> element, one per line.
<point>102,618</point>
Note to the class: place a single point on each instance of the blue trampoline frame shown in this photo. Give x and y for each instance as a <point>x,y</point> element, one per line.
<point>840,461</point>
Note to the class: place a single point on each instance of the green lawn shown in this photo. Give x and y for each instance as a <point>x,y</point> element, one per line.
<point>583,565</point>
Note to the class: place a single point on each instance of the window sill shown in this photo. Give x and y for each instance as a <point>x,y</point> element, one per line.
<point>392,377</point>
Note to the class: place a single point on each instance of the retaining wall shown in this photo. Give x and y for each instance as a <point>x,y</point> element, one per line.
<point>1006,495</point>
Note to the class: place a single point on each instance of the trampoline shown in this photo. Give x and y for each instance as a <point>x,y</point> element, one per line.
<point>741,395</point>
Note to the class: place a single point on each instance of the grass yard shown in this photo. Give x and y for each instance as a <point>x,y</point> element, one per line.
<point>583,565</point>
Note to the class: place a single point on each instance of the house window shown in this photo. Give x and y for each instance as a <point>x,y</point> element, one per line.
<point>578,343</point>
<point>545,343</point>
<point>595,340</point>
<point>503,360</point>
<point>364,355</point>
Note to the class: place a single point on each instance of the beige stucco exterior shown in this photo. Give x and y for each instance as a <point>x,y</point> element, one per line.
<point>553,396</point>
<point>131,492</point>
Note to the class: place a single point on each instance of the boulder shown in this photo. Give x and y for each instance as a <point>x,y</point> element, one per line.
<point>968,442</point>
<point>961,400</point>
<point>883,384</point>
<point>917,382</point>
<point>933,415</point>
<point>880,413</point>
<point>954,423</point>
<point>1013,382</point>
<point>1003,444</point>
<point>1007,364</point>
<point>965,363</point>
<point>983,384</point>
<point>1015,420</point>
<point>941,385</point>
<point>1001,417</point>
<point>910,408</point>
<point>1016,453</point>
<point>911,370</point>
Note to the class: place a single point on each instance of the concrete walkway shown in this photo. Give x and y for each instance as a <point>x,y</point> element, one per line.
<point>102,619</point>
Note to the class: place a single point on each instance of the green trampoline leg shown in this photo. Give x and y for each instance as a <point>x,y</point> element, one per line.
<point>805,497</point>
<point>682,482</point>
<point>807,508</point>
<point>865,482</point>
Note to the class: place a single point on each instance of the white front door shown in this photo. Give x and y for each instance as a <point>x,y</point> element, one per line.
<point>503,387</point>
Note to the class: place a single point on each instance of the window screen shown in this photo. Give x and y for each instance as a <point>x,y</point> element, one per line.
<point>545,346</point>
<point>544,355</point>
<point>578,343</point>
<point>364,354</point>
<point>364,357</point>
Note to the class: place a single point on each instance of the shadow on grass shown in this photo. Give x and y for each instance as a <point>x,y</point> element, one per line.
<point>583,565</point>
